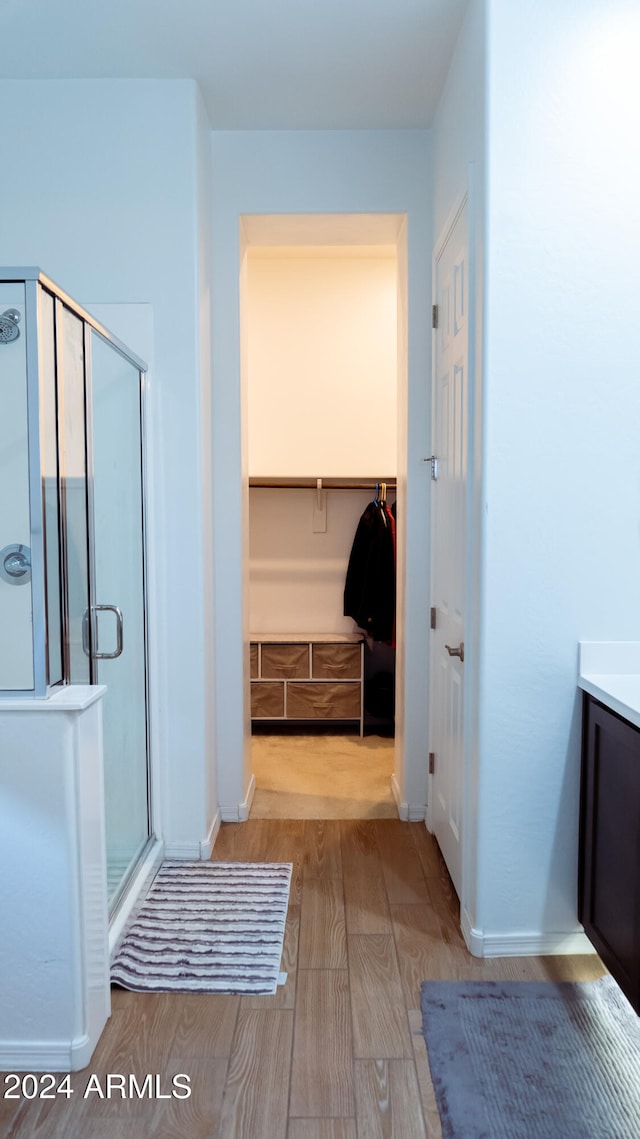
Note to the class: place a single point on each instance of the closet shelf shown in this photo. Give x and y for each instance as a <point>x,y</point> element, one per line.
<point>305,483</point>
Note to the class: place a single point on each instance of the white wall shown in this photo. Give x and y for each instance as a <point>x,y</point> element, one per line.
<point>315,172</point>
<point>297,576</point>
<point>562,511</point>
<point>322,363</point>
<point>459,169</point>
<point>459,123</point>
<point>100,189</point>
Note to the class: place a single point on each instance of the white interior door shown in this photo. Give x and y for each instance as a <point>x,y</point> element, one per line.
<point>448,530</point>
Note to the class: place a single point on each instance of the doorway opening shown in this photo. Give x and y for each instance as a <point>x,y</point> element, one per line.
<point>324,387</point>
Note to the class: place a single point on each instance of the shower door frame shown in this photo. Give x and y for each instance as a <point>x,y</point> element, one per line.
<point>28,278</point>
<point>34,280</point>
<point>90,324</point>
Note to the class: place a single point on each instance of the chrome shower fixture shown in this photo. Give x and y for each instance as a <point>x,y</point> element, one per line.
<point>15,564</point>
<point>9,325</point>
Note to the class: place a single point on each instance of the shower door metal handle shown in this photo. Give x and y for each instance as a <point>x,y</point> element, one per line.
<point>119,631</point>
<point>86,647</point>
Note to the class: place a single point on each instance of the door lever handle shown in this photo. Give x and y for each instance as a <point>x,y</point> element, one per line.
<point>459,652</point>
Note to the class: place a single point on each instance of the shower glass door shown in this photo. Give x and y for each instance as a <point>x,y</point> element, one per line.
<point>118,605</point>
<point>72,518</point>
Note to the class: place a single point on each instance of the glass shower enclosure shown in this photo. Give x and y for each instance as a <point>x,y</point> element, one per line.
<point>72,536</point>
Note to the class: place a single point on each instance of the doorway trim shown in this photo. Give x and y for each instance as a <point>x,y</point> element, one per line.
<point>339,229</point>
<point>302,173</point>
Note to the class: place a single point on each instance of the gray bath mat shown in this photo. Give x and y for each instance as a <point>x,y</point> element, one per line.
<point>528,1060</point>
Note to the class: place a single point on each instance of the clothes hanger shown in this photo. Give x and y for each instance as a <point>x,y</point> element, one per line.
<point>380,500</point>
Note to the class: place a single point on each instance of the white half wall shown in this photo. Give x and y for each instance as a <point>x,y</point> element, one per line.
<point>54,982</point>
<point>562,408</point>
<point>316,172</point>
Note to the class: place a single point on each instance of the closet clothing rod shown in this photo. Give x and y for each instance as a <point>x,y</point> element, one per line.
<point>321,484</point>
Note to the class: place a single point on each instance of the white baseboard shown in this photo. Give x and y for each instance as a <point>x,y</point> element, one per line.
<point>245,806</point>
<point>239,813</point>
<point>473,938</point>
<point>530,944</point>
<point>46,1055</point>
<point>408,812</point>
<point>183,850</point>
<point>207,846</point>
<point>136,892</point>
<point>403,808</point>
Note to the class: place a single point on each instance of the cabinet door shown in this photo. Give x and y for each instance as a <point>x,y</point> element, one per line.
<point>610,844</point>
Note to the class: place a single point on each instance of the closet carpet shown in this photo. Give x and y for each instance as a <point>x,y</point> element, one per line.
<point>322,777</point>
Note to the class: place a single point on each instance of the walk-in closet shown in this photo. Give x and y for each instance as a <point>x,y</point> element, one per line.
<point>320,320</point>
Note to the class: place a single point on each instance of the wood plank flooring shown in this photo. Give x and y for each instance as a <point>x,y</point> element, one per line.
<point>337,1053</point>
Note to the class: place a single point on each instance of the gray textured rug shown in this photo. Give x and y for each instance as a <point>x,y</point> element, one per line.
<point>207,927</point>
<point>527,1060</point>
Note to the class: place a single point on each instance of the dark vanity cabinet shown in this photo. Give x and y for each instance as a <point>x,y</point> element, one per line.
<point>609,881</point>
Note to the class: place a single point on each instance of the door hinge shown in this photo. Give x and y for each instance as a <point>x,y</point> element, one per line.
<point>434,316</point>
<point>432,762</point>
<point>434,466</point>
<point>433,616</point>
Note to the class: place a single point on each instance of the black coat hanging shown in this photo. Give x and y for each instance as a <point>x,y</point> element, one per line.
<point>370,586</point>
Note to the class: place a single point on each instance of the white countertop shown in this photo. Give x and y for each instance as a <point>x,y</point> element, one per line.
<point>610,672</point>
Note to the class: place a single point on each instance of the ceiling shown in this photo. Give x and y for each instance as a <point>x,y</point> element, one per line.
<point>283,65</point>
